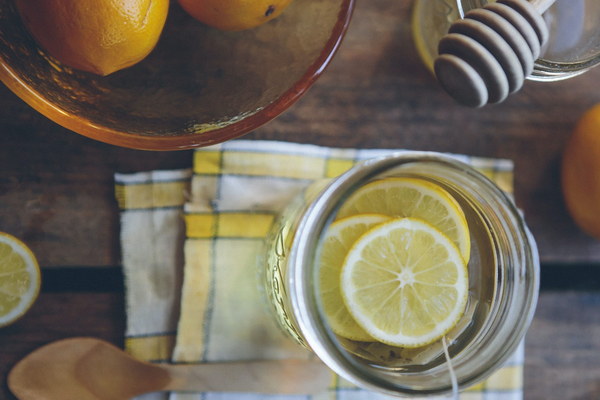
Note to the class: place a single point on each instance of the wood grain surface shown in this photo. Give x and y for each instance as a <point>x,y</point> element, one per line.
<point>561,348</point>
<point>56,188</point>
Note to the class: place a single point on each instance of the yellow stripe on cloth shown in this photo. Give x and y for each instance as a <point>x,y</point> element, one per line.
<point>501,174</point>
<point>258,164</point>
<point>195,294</point>
<point>207,162</point>
<point>249,225</point>
<point>336,167</point>
<point>200,225</point>
<point>150,195</point>
<point>507,378</point>
<point>151,348</point>
<point>504,180</point>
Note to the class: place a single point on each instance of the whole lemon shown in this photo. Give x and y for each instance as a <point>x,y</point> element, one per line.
<point>581,172</point>
<point>234,15</point>
<point>99,36</point>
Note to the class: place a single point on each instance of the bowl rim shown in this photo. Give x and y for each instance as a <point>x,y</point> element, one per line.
<point>192,140</point>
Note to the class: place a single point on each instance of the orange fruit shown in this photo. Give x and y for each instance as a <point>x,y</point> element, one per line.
<point>234,15</point>
<point>99,36</point>
<point>581,172</point>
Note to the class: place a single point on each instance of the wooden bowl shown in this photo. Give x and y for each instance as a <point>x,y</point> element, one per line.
<point>198,87</point>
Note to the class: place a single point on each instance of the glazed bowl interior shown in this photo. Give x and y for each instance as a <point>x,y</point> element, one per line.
<point>199,86</point>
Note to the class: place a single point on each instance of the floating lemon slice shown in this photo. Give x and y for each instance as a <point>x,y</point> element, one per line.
<point>405,283</point>
<point>417,198</point>
<point>19,279</point>
<point>337,241</point>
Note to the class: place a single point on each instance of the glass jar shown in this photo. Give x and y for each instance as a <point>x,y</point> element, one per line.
<point>574,26</point>
<point>503,280</point>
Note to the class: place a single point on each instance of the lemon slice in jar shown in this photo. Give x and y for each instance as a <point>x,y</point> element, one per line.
<point>415,198</point>
<point>337,241</point>
<point>405,283</point>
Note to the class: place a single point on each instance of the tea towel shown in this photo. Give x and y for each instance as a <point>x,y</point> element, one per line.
<point>208,225</point>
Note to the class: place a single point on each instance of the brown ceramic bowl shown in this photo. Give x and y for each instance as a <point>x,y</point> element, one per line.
<point>198,87</point>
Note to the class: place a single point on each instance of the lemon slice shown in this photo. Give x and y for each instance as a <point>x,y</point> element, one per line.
<point>411,197</point>
<point>19,279</point>
<point>405,283</point>
<point>336,243</point>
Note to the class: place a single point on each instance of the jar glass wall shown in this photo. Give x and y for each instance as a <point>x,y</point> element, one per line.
<point>573,47</point>
<point>503,280</point>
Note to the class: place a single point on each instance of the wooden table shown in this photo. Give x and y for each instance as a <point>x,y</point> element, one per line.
<point>56,192</point>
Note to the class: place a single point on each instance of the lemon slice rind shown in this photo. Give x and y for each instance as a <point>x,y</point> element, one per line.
<point>405,283</point>
<point>415,198</point>
<point>336,242</point>
<point>20,279</point>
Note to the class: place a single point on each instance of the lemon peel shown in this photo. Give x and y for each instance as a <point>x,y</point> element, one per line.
<point>337,241</point>
<point>405,283</point>
<point>20,279</point>
<point>416,198</point>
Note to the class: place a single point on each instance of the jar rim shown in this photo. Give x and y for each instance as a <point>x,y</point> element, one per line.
<point>303,297</point>
<point>547,69</point>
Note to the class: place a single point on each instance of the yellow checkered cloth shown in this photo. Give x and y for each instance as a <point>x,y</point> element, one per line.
<point>190,243</point>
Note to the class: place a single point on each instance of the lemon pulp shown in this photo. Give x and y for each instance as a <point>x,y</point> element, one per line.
<point>415,198</point>
<point>337,241</point>
<point>19,279</point>
<point>405,283</point>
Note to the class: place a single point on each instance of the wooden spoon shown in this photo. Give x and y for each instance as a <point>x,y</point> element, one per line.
<point>91,369</point>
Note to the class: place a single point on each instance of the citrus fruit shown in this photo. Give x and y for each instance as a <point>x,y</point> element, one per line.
<point>19,279</point>
<point>412,197</point>
<point>99,36</point>
<point>405,283</point>
<point>337,241</point>
<point>234,15</point>
<point>581,173</point>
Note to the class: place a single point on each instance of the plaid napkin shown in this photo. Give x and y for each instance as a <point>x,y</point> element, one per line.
<point>190,242</point>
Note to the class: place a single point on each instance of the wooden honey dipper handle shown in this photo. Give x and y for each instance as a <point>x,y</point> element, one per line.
<point>488,54</point>
<point>542,5</point>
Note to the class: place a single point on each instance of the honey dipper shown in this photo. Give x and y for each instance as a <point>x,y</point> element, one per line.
<point>487,55</point>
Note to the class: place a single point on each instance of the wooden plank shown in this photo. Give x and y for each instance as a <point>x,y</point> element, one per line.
<point>58,316</point>
<point>561,356</point>
<point>56,186</point>
<point>391,100</point>
<point>562,347</point>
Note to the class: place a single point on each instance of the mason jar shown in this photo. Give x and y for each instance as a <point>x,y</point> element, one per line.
<point>572,49</point>
<point>503,274</point>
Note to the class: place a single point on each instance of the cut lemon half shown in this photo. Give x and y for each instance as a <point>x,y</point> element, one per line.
<point>417,198</point>
<point>336,243</point>
<point>405,283</point>
<point>19,279</point>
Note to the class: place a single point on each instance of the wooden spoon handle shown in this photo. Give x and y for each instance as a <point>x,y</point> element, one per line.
<point>91,369</point>
<point>267,377</point>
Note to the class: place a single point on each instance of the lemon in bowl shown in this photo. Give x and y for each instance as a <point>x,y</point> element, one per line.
<point>100,36</point>
<point>198,86</point>
<point>234,15</point>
